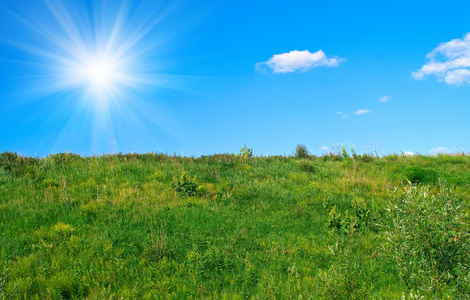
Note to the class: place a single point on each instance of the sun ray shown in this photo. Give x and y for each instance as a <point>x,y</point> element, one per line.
<point>93,56</point>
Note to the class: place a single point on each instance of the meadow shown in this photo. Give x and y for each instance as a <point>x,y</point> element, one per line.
<point>155,226</point>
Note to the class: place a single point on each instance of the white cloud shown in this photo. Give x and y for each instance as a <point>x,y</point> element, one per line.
<point>325,148</point>
<point>362,111</point>
<point>384,99</point>
<point>408,153</point>
<point>457,76</point>
<point>298,61</point>
<point>450,62</point>
<point>439,150</point>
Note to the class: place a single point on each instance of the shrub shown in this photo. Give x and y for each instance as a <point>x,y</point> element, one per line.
<point>301,151</point>
<point>428,240</point>
<point>184,185</point>
<point>359,218</point>
<point>246,152</point>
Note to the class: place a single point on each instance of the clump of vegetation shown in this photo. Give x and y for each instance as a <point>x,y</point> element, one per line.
<point>184,185</point>
<point>301,151</point>
<point>428,239</point>
<point>17,164</point>
<point>345,154</point>
<point>246,152</point>
<point>357,217</point>
<point>307,166</point>
<point>420,174</point>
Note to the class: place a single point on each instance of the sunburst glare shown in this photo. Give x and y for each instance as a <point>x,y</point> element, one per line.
<point>94,54</point>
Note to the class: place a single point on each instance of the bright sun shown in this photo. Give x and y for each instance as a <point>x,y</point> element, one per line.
<point>100,73</point>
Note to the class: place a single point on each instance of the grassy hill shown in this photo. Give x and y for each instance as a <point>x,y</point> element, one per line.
<point>154,226</point>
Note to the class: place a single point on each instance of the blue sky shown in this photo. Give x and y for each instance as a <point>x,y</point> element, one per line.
<point>204,77</point>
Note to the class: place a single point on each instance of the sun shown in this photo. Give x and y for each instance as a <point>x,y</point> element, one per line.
<point>100,73</point>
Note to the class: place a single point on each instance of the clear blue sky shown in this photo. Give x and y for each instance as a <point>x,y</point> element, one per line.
<point>204,77</point>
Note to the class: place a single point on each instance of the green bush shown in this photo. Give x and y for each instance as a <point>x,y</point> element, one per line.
<point>185,185</point>
<point>301,151</point>
<point>246,152</point>
<point>359,218</point>
<point>428,239</point>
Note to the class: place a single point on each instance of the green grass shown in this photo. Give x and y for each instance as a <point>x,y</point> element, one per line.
<point>154,226</point>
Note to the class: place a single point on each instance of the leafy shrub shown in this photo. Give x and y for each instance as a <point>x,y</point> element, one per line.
<point>185,185</point>
<point>428,239</point>
<point>359,218</point>
<point>418,174</point>
<point>301,151</point>
<point>246,152</point>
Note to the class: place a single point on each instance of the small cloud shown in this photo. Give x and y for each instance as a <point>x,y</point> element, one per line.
<point>408,153</point>
<point>450,62</point>
<point>325,148</point>
<point>439,150</point>
<point>344,116</point>
<point>384,99</point>
<point>298,61</point>
<point>339,113</point>
<point>362,111</point>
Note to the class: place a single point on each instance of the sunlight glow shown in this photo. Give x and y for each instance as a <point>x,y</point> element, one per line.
<point>100,73</point>
<point>97,58</point>
<point>98,50</point>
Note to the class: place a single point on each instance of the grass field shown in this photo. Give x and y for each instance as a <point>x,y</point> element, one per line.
<point>155,226</point>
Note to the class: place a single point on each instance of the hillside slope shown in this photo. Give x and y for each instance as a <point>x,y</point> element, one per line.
<point>153,226</point>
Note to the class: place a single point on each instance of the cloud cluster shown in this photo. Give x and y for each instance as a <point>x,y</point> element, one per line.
<point>449,62</point>
<point>298,61</point>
